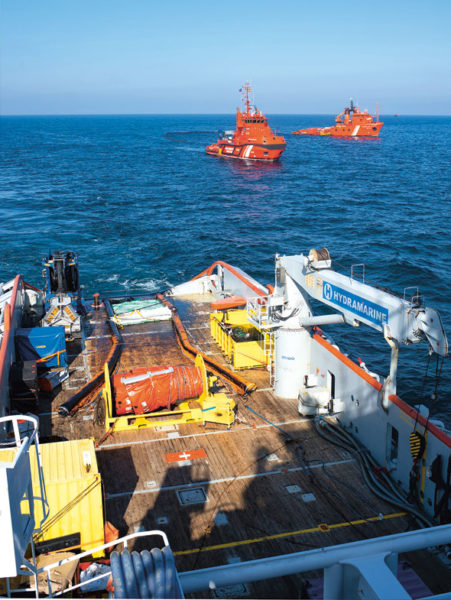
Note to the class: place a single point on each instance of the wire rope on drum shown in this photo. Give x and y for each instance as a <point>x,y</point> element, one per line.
<point>145,574</point>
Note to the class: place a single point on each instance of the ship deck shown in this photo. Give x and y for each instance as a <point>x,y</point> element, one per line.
<point>269,485</point>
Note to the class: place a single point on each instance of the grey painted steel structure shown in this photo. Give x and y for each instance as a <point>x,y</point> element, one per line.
<point>362,569</point>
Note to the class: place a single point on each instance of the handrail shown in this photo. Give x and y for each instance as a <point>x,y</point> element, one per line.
<point>123,540</point>
<point>23,444</point>
<point>312,560</point>
<point>8,315</point>
<point>235,272</point>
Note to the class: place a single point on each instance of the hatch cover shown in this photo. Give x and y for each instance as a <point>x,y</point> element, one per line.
<point>293,489</point>
<point>196,495</point>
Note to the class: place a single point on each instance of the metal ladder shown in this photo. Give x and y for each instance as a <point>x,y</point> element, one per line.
<point>268,350</point>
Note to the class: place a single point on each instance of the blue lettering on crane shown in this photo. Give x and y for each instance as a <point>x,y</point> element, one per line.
<point>363,308</point>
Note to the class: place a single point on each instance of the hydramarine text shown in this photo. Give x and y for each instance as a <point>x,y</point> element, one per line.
<point>364,308</point>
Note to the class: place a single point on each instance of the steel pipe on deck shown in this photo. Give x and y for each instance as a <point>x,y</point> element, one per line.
<point>321,558</point>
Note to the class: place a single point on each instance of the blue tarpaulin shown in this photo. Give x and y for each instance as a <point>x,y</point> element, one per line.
<point>46,345</point>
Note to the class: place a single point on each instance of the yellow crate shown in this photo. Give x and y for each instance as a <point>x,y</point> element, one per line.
<point>74,492</point>
<point>246,355</point>
<point>242,355</point>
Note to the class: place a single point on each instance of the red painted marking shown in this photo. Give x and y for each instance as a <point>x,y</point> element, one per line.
<point>8,319</point>
<point>412,413</point>
<point>185,455</point>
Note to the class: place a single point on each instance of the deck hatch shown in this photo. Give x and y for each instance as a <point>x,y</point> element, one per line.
<point>293,489</point>
<point>308,497</point>
<point>221,519</point>
<point>196,495</point>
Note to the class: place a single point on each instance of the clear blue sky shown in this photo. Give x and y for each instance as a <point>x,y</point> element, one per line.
<point>174,56</point>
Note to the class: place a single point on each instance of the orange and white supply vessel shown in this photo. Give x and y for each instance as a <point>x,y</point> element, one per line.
<point>253,138</point>
<point>352,122</point>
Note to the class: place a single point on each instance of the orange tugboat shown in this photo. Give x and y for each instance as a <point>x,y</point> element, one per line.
<point>253,138</point>
<point>352,122</point>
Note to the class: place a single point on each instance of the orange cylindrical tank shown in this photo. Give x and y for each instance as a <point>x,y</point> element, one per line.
<point>145,390</point>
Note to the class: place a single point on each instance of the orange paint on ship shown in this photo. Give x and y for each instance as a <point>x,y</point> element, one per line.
<point>352,122</point>
<point>253,138</point>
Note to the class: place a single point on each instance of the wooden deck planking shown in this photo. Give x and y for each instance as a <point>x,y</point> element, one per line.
<point>239,480</point>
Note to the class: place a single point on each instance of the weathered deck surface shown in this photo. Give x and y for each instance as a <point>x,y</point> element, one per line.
<point>259,493</point>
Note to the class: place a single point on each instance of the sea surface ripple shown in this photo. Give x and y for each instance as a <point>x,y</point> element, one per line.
<point>145,207</point>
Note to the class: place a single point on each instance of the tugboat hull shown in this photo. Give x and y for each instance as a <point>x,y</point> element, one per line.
<point>252,139</point>
<point>365,130</point>
<point>352,122</point>
<point>247,151</point>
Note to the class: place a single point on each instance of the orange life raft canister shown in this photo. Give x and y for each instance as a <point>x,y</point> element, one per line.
<point>147,389</point>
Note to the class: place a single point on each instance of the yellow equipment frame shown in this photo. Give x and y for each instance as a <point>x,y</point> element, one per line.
<point>210,408</point>
<point>242,355</point>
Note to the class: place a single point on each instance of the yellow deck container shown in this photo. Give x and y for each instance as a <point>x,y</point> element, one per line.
<point>74,493</point>
<point>242,354</point>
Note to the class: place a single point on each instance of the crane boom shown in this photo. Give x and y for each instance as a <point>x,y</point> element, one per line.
<point>402,320</point>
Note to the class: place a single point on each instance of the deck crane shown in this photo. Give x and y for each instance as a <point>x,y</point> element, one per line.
<point>401,320</point>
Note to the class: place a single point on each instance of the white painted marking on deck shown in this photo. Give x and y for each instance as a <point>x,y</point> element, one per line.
<point>86,363</point>
<point>129,334</point>
<point>272,458</point>
<point>195,435</point>
<point>166,428</point>
<point>211,482</point>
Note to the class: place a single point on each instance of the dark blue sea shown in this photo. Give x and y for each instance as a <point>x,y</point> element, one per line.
<point>145,207</point>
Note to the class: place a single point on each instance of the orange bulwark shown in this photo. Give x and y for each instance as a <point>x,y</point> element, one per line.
<point>352,122</point>
<point>253,138</point>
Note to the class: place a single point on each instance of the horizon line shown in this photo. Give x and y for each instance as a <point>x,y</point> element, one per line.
<point>142,114</point>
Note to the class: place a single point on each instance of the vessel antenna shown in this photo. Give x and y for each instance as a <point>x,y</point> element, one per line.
<point>246,89</point>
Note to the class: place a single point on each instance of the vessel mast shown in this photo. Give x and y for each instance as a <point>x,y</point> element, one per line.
<point>246,90</point>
